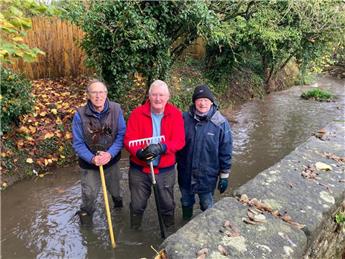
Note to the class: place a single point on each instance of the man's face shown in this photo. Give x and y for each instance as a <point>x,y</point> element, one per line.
<point>97,94</point>
<point>203,105</point>
<point>159,97</point>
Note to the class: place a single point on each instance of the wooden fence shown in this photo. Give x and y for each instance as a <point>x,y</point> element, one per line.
<point>63,56</point>
<point>59,40</point>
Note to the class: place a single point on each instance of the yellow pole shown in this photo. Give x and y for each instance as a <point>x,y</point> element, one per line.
<point>107,210</point>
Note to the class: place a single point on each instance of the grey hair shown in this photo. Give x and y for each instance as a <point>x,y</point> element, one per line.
<point>159,83</point>
<point>95,81</point>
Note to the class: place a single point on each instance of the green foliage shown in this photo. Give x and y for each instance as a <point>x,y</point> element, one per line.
<point>127,37</point>
<point>271,33</point>
<point>16,98</point>
<point>340,218</point>
<point>317,94</point>
<point>47,146</point>
<point>15,22</point>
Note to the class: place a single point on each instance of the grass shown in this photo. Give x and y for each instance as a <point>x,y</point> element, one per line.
<point>318,95</point>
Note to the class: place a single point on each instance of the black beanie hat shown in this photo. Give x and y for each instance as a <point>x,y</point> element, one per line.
<point>202,91</point>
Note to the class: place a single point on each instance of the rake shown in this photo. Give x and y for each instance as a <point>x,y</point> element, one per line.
<point>148,141</point>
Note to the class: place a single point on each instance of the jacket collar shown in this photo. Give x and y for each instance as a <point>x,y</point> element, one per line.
<point>211,112</point>
<point>91,110</point>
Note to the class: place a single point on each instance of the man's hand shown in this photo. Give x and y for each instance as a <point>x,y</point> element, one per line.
<point>222,184</point>
<point>102,158</point>
<point>151,152</point>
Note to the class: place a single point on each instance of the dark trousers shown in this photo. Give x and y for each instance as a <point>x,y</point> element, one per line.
<point>91,183</point>
<point>140,185</point>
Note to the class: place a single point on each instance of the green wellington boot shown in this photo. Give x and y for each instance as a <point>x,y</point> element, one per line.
<point>187,212</point>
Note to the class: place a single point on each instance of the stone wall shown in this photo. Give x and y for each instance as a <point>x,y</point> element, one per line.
<point>286,211</point>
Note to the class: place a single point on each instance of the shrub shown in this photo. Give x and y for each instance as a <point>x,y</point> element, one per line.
<point>15,98</point>
<point>317,94</point>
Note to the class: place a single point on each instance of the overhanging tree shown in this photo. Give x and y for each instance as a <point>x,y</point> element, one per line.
<point>127,37</point>
<point>278,31</point>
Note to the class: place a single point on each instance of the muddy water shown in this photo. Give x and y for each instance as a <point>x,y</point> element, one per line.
<point>37,215</point>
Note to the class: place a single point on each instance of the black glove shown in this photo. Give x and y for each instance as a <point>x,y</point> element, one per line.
<point>151,152</point>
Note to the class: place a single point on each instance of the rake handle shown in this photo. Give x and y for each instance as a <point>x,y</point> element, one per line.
<point>107,210</point>
<point>156,193</point>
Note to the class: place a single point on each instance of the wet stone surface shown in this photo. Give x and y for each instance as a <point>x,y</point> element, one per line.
<point>306,204</point>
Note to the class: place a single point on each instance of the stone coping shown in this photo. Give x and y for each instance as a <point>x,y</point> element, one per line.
<point>294,198</point>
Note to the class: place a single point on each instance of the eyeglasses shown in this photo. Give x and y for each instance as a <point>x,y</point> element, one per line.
<point>94,93</point>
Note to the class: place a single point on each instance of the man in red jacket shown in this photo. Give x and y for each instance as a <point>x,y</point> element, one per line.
<point>155,118</point>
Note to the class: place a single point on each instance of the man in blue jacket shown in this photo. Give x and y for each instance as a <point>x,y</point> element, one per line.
<point>206,157</point>
<point>98,131</point>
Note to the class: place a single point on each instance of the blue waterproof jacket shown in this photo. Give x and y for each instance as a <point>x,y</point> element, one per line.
<point>207,152</point>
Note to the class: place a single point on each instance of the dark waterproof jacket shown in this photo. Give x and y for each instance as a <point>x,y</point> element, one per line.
<point>207,152</point>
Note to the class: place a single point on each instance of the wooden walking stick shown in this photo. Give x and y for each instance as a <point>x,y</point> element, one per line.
<point>148,141</point>
<point>107,210</point>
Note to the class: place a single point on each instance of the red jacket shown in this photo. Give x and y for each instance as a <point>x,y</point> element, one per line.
<point>139,126</point>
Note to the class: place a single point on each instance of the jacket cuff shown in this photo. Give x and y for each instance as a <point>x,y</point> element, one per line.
<point>224,173</point>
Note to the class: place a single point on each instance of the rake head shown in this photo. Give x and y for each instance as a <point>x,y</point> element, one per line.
<point>146,141</point>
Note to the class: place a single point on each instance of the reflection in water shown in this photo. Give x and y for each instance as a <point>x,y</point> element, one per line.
<point>38,218</point>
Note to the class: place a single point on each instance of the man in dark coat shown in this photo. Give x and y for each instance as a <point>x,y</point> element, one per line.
<point>206,157</point>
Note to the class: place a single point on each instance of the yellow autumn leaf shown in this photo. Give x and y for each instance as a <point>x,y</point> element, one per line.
<point>68,135</point>
<point>54,111</point>
<point>48,135</point>
<point>32,129</point>
<point>42,114</point>
<point>29,161</point>
<point>46,162</point>
<point>62,156</point>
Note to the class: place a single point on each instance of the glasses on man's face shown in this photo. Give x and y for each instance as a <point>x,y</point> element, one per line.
<point>94,93</point>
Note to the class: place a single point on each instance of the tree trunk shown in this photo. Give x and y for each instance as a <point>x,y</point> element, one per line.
<point>268,75</point>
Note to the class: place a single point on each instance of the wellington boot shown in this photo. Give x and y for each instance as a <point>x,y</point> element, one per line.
<point>187,212</point>
<point>135,220</point>
<point>85,218</point>
<point>117,202</point>
<point>168,220</point>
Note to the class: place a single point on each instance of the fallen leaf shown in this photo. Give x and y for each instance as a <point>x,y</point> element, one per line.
<point>322,166</point>
<point>202,252</point>
<point>222,250</point>
<point>48,135</point>
<point>29,161</point>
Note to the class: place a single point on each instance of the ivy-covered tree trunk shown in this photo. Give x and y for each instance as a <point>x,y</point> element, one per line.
<point>268,75</point>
